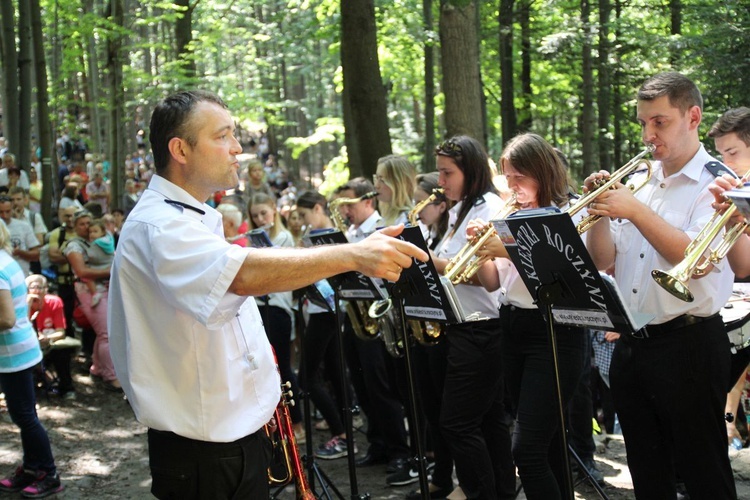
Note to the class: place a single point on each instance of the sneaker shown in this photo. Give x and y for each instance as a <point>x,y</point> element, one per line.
<point>20,479</point>
<point>593,471</point>
<point>407,474</point>
<point>335,448</point>
<point>44,486</point>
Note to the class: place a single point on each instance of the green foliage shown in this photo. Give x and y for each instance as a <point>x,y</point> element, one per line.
<point>277,63</point>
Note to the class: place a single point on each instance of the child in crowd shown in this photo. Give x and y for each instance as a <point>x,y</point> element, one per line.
<point>101,253</point>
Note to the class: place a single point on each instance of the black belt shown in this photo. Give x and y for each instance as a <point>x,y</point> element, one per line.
<point>651,331</point>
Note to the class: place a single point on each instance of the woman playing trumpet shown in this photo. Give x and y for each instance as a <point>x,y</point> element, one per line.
<point>472,417</point>
<point>535,173</point>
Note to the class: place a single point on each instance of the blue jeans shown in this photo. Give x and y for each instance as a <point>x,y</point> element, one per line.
<point>21,400</point>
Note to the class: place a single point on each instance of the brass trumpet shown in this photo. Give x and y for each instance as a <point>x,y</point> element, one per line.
<point>675,280</point>
<point>629,168</point>
<point>465,263</point>
<point>287,467</point>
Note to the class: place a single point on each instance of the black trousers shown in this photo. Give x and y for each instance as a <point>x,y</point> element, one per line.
<point>527,355</point>
<point>321,346</point>
<point>669,392</point>
<point>373,381</point>
<point>472,417</point>
<point>278,325</point>
<point>430,365</point>
<point>187,469</point>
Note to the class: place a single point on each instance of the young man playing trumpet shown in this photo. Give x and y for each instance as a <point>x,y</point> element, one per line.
<point>680,362</point>
<point>731,134</point>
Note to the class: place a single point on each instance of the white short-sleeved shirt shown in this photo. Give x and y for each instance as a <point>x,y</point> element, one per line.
<point>22,236</point>
<point>683,200</point>
<point>192,357</point>
<point>474,299</point>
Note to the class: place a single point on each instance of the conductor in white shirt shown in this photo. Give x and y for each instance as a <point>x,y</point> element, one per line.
<point>188,347</point>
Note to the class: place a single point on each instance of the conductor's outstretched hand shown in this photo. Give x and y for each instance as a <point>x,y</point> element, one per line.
<point>381,255</point>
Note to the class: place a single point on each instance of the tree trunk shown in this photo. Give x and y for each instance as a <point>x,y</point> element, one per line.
<point>525,117</point>
<point>25,85</point>
<point>587,91</point>
<point>459,48</point>
<point>675,26</point>
<point>116,102</point>
<point>10,78</point>
<point>93,70</point>
<point>429,89</point>
<point>48,158</point>
<point>507,78</point>
<point>183,34</point>
<point>365,90</point>
<point>617,115</point>
<point>603,97</point>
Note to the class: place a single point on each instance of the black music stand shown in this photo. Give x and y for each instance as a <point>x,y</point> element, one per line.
<point>420,295</point>
<point>317,293</point>
<point>555,266</point>
<point>349,286</point>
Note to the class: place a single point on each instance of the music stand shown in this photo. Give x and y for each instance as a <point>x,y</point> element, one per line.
<point>349,286</point>
<point>555,266</point>
<point>420,295</point>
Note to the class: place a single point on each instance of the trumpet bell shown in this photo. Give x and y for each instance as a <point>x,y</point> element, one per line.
<point>672,284</point>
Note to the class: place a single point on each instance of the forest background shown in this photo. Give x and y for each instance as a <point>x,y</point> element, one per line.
<point>335,85</point>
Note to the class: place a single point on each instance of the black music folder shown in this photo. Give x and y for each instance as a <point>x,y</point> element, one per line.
<point>546,248</point>
<point>427,295</point>
<point>351,285</point>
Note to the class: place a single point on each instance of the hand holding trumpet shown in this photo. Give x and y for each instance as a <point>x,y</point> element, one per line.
<point>617,202</point>
<point>718,187</point>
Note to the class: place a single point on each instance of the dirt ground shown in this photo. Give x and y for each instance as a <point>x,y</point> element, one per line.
<point>101,453</point>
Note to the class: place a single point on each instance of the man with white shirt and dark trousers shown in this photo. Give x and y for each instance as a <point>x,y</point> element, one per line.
<point>205,381</point>
<point>371,369</point>
<point>668,381</point>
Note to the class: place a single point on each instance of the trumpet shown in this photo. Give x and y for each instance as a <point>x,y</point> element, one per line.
<point>629,168</point>
<point>287,466</point>
<point>465,263</point>
<point>675,280</point>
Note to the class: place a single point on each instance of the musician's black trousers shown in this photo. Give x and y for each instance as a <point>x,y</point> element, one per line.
<point>320,345</point>
<point>187,469</point>
<point>669,393</point>
<point>430,365</point>
<point>472,416</point>
<point>530,376</point>
<point>373,379</point>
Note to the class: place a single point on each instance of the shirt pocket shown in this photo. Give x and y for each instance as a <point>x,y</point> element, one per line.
<point>624,236</point>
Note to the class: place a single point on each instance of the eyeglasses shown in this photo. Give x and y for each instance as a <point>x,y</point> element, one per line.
<point>449,148</point>
<point>4,199</point>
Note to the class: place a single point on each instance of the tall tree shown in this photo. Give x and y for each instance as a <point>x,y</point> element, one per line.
<point>525,118</point>
<point>116,120</point>
<point>459,50</point>
<point>183,33</point>
<point>587,90</point>
<point>10,77</point>
<point>25,84</point>
<point>604,91</point>
<point>507,71</point>
<point>367,136</point>
<point>429,87</point>
<point>48,158</point>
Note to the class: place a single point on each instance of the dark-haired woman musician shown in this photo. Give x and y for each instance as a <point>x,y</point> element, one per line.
<point>472,416</point>
<point>535,173</point>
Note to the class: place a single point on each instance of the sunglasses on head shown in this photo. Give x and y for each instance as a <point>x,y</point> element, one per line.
<point>449,148</point>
